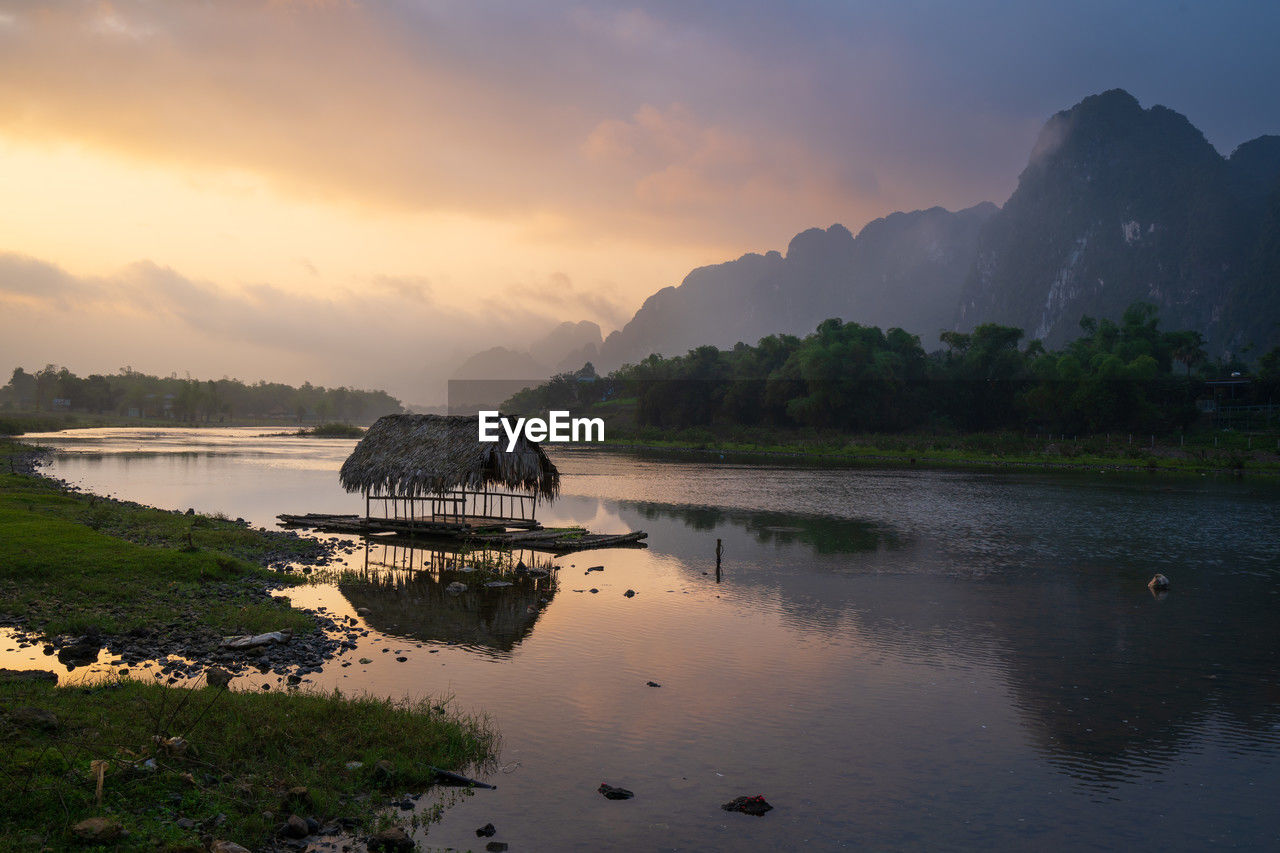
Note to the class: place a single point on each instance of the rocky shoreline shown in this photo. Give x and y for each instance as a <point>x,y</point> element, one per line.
<point>183,648</point>
<point>185,651</point>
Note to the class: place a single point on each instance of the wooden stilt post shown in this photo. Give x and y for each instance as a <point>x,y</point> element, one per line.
<point>719,552</point>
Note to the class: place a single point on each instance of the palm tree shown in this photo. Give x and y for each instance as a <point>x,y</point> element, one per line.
<point>1189,349</point>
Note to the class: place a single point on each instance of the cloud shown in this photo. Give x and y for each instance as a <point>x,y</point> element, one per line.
<point>107,21</point>
<point>784,110</point>
<point>675,160</point>
<point>408,287</point>
<point>153,317</point>
<point>612,119</point>
<point>28,281</point>
<point>557,297</point>
<point>507,145</point>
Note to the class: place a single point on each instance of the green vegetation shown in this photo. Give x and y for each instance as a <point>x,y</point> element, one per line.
<point>333,431</point>
<point>17,424</point>
<point>71,563</point>
<point>852,390</point>
<point>1195,452</point>
<point>240,756</point>
<point>74,563</point>
<point>55,398</point>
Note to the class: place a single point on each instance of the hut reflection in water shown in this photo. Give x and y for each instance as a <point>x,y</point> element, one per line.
<point>405,590</point>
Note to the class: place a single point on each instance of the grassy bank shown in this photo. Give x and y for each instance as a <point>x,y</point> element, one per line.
<point>333,431</point>
<point>73,563</point>
<point>19,423</point>
<point>322,431</point>
<point>243,754</point>
<point>1202,452</point>
<point>76,563</point>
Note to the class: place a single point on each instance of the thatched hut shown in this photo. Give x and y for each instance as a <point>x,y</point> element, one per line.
<point>434,469</point>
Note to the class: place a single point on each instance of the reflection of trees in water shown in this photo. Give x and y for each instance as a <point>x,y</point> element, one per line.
<point>1113,683</point>
<point>824,534</point>
<point>1110,684</point>
<point>404,589</point>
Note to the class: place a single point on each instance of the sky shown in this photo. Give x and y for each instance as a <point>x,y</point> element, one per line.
<point>364,194</point>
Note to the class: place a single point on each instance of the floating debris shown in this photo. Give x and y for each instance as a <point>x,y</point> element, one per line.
<point>612,793</point>
<point>755,806</point>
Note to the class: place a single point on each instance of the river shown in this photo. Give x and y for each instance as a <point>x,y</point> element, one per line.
<point>893,658</point>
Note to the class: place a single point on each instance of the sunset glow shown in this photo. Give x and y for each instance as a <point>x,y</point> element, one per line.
<point>482,174</point>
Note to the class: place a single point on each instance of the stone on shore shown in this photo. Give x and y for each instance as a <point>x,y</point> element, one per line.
<point>97,830</point>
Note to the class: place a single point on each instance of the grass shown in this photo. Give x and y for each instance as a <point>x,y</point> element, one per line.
<point>19,422</point>
<point>246,751</point>
<point>333,431</point>
<point>71,563</point>
<point>1200,452</point>
<point>76,563</point>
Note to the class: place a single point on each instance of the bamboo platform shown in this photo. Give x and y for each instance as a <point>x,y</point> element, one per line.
<point>479,530</point>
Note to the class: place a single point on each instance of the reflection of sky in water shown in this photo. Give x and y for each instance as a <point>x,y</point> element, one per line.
<point>895,658</point>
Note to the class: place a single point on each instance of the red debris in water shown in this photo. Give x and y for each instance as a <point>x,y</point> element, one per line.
<point>748,805</point>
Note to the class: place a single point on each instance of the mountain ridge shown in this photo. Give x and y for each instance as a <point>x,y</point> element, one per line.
<point>1117,203</point>
<point>825,272</point>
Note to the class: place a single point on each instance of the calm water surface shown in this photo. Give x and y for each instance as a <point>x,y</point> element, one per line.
<point>895,659</point>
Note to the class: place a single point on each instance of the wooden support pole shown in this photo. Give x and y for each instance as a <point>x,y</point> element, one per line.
<point>719,553</point>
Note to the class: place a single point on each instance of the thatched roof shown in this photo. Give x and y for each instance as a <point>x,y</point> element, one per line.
<point>419,455</point>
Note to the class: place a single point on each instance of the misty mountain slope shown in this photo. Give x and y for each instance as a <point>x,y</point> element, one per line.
<point>903,270</point>
<point>1117,204</point>
<point>1254,169</point>
<point>1120,204</point>
<point>501,363</point>
<point>566,347</point>
<point>1252,311</point>
<point>910,268</point>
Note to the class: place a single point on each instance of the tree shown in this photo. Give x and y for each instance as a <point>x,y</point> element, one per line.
<point>47,386</point>
<point>1269,365</point>
<point>23,387</point>
<point>1188,348</point>
<point>98,396</point>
